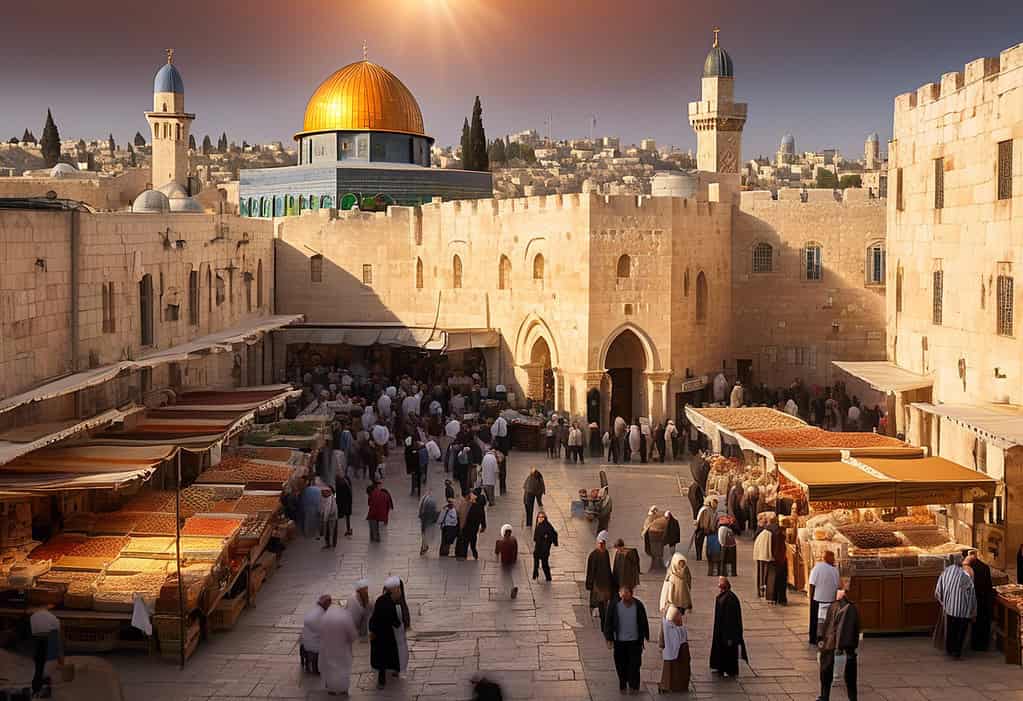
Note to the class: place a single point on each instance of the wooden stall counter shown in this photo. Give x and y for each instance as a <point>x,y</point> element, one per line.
<point>892,602</point>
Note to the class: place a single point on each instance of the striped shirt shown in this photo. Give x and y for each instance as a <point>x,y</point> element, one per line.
<point>955,593</point>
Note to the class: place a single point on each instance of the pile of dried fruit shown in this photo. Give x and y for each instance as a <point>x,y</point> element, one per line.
<point>149,546</point>
<point>244,473</point>
<point>206,526</point>
<point>115,522</point>
<point>870,535</point>
<point>811,437</point>
<point>108,547</point>
<point>75,581</point>
<point>122,588</point>
<point>921,538</point>
<point>255,503</point>
<point>151,501</point>
<point>156,524</point>
<point>197,500</point>
<point>750,418</point>
<point>253,526</point>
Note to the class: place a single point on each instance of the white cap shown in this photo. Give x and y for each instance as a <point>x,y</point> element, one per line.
<point>506,528</point>
<point>392,582</point>
<point>362,584</point>
<point>603,537</point>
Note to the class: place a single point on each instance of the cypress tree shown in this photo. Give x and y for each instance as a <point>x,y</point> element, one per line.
<point>478,139</point>
<point>111,144</point>
<point>131,155</point>
<point>51,142</point>
<point>27,137</point>
<point>497,153</point>
<point>191,142</point>
<point>222,143</point>
<point>207,145</point>
<point>466,149</point>
<point>139,139</point>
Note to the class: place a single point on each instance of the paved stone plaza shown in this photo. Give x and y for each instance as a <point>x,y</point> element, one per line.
<point>544,645</point>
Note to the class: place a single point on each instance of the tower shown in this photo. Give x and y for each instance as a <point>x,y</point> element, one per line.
<point>872,152</point>
<point>170,125</point>
<point>717,118</point>
<point>786,151</point>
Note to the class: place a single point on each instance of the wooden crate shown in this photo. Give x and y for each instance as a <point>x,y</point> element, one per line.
<point>91,636</point>
<point>226,613</point>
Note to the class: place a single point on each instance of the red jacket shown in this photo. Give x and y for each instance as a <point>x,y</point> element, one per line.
<point>508,549</point>
<point>380,505</point>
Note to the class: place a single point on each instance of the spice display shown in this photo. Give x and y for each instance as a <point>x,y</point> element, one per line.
<point>81,562</point>
<point>119,522</point>
<point>242,472</point>
<point>224,506</point>
<point>75,581</point>
<point>122,588</point>
<point>925,538</point>
<point>81,522</point>
<point>811,437</point>
<point>151,546</point>
<point>255,503</point>
<point>160,501</point>
<point>253,526</point>
<point>155,524</point>
<point>197,500</point>
<point>870,535</point>
<point>205,526</point>
<point>108,547</point>
<point>750,418</point>
<point>135,565</point>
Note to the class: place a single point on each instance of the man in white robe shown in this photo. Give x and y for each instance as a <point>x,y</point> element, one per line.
<point>309,643</point>
<point>336,638</point>
<point>360,606</point>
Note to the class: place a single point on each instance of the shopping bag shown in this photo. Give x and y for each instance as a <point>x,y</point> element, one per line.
<point>839,667</point>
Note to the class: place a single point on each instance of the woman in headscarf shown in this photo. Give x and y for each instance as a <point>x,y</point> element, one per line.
<point>599,578</point>
<point>675,668</point>
<point>653,537</point>
<point>337,635</point>
<point>677,588</point>
<point>544,537</point>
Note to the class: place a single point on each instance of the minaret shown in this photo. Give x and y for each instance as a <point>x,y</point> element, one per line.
<point>717,118</point>
<point>170,125</point>
<point>872,152</point>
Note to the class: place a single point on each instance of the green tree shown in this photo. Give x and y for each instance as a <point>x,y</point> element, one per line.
<point>497,153</point>
<point>478,138</point>
<point>826,179</point>
<point>466,149</point>
<point>139,139</point>
<point>850,180</point>
<point>207,145</point>
<point>111,145</point>
<point>50,142</point>
<point>512,151</point>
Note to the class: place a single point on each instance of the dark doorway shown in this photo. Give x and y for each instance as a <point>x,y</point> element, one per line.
<point>744,370</point>
<point>621,394</point>
<point>593,406</point>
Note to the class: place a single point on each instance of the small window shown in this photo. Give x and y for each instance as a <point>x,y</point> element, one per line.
<point>419,273</point>
<point>209,290</point>
<point>898,290</point>
<point>316,268</point>
<point>109,324</point>
<point>1005,170</point>
<point>701,297</point>
<point>624,267</point>
<point>685,283</point>
<point>1005,304</point>
<point>939,183</point>
<point>628,310</point>
<point>538,266</point>
<point>875,264</point>
<point>146,310</point>
<point>367,274</point>
<point>259,284</point>
<point>177,132</point>
<point>193,298</point>
<point>812,262</point>
<point>221,295</point>
<point>248,292</point>
<point>171,312</point>
<point>456,272</point>
<point>504,273</point>
<point>937,292</point>
<point>763,258</point>
<point>899,205</point>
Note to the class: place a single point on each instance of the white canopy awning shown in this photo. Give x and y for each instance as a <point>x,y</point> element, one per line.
<point>427,338</point>
<point>1003,425</point>
<point>12,446</point>
<point>884,376</point>
<point>220,341</point>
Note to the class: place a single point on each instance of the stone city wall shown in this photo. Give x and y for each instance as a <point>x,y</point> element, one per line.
<point>105,193</point>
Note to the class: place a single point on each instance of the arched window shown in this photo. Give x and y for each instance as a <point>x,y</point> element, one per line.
<point>419,273</point>
<point>316,268</point>
<point>763,258</point>
<point>624,266</point>
<point>504,273</point>
<point>165,107</point>
<point>146,310</point>
<point>314,202</point>
<point>685,283</point>
<point>456,272</point>
<point>177,132</point>
<point>259,284</point>
<point>193,298</point>
<point>278,206</point>
<point>701,297</point>
<point>248,292</point>
<point>538,266</point>
<point>812,261</point>
<point>875,263</point>
<point>289,205</point>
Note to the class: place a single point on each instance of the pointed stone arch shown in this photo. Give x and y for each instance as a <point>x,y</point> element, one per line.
<point>653,361</point>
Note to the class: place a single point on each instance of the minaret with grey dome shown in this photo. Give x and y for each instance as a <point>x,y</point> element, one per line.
<point>872,152</point>
<point>717,119</point>
<point>169,124</point>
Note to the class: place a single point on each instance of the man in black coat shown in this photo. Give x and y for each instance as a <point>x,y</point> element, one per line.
<point>412,466</point>
<point>727,643</point>
<point>383,629</point>
<point>625,629</point>
<point>343,492</point>
<point>475,523</point>
<point>840,633</point>
<point>980,634</point>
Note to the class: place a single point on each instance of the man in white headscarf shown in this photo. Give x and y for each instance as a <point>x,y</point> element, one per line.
<point>336,640</point>
<point>309,642</point>
<point>359,606</point>
<point>675,668</point>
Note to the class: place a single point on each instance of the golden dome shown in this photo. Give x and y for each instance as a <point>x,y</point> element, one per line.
<point>363,96</point>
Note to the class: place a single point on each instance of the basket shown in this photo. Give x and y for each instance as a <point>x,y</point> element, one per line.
<point>227,613</point>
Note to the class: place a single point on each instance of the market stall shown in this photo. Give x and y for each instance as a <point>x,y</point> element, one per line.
<point>880,517</point>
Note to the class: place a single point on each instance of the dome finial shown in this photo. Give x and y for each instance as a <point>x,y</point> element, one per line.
<point>365,51</point>
<point>170,55</point>
<point>717,30</point>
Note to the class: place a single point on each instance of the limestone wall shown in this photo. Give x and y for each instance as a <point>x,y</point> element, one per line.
<point>107,193</point>
<point>116,250</point>
<point>785,323</point>
<point>972,239</point>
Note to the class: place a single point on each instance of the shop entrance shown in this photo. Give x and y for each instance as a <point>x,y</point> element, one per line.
<point>625,364</point>
<point>541,375</point>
